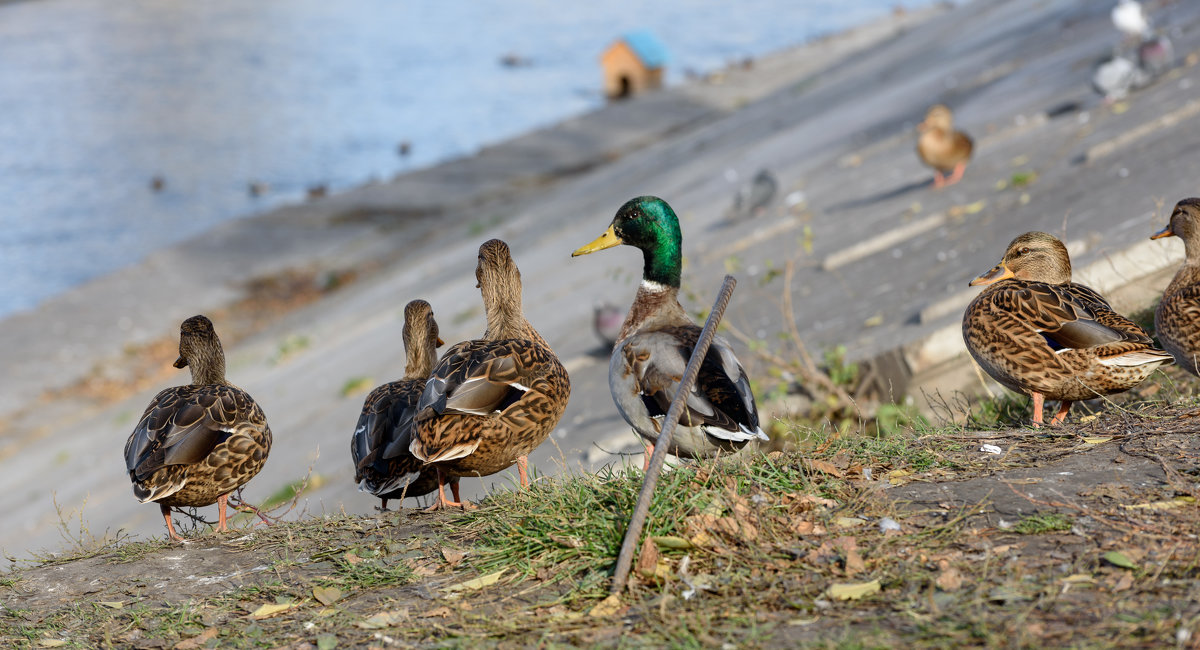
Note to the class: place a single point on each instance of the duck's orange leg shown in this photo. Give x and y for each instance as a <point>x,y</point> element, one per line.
<point>441,495</point>
<point>222,502</point>
<point>1061,416</point>
<point>957,175</point>
<point>1038,401</point>
<point>523,470</point>
<point>938,179</point>
<point>166,513</point>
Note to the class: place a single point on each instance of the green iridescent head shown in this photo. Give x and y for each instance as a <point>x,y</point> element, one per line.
<point>648,223</point>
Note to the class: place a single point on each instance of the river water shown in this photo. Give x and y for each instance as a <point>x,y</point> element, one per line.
<point>98,98</point>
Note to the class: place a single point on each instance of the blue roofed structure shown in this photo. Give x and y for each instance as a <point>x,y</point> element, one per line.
<point>648,48</point>
<point>634,63</point>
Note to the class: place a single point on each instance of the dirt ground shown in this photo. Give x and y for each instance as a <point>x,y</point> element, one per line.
<point>1083,535</point>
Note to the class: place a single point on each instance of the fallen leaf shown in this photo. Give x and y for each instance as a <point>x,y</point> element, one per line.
<point>51,643</point>
<point>671,542</point>
<point>1164,505</point>
<point>824,467</point>
<point>440,612</point>
<point>647,560</point>
<point>949,579</point>
<point>853,591</point>
<point>853,560</point>
<point>569,542</point>
<point>898,476</point>
<point>453,555</point>
<point>1096,440</point>
<point>608,607</point>
<point>326,642</point>
<point>197,641</point>
<point>112,604</point>
<point>1118,559</point>
<point>327,595</point>
<point>1076,578</point>
<point>848,522</point>
<point>1006,595</point>
<point>272,609</point>
<point>351,557</point>
<point>383,619</point>
<point>477,583</point>
<point>1124,583</point>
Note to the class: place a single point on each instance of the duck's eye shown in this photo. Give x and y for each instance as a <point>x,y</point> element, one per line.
<point>1023,251</point>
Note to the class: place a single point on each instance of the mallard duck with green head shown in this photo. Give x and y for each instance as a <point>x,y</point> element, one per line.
<point>1177,318</point>
<point>196,444</point>
<point>656,341</point>
<point>492,400</point>
<point>383,465</point>
<point>1038,333</point>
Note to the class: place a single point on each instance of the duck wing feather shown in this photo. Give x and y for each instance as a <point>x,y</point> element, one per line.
<point>720,400</point>
<point>184,424</point>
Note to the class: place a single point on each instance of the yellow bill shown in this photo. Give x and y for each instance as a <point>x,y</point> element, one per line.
<point>1165,232</point>
<point>607,240</point>
<point>998,273</point>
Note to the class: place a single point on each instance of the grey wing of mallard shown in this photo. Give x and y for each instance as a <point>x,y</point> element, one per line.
<point>653,365</point>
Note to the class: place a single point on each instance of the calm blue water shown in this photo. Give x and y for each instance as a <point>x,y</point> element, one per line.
<point>98,97</point>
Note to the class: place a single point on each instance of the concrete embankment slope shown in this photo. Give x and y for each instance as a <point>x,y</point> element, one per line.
<point>880,260</point>
<point>411,237</point>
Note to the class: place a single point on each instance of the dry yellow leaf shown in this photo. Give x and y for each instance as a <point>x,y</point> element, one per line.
<point>477,583</point>
<point>327,595</point>
<point>608,607</point>
<point>853,591</point>
<point>272,609</point>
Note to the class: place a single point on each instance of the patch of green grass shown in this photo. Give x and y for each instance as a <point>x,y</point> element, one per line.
<point>1043,523</point>
<point>1023,178</point>
<point>289,346</point>
<point>355,385</point>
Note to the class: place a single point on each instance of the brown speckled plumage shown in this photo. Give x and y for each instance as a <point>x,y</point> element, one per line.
<point>1038,333</point>
<point>943,148</point>
<point>197,443</point>
<point>1177,318</point>
<point>491,401</point>
<point>383,465</point>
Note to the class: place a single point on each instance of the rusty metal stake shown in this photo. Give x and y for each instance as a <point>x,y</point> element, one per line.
<point>642,509</point>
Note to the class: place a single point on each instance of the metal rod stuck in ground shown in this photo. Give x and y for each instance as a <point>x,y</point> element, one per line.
<point>638,519</point>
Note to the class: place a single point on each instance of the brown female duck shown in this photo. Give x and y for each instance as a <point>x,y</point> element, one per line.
<point>943,148</point>
<point>1038,333</point>
<point>383,465</point>
<point>490,401</point>
<point>197,443</point>
<point>1177,319</point>
<point>656,341</point>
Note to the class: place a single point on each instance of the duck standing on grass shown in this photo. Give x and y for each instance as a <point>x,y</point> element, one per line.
<point>943,148</point>
<point>196,444</point>
<point>490,401</point>
<point>656,341</point>
<point>1177,318</point>
<point>1038,333</point>
<point>383,465</point>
